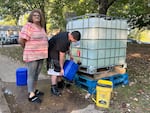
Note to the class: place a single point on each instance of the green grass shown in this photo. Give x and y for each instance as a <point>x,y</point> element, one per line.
<point>136,96</point>
<point>13,52</point>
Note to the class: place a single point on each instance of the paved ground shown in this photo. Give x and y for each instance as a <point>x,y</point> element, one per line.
<point>3,103</point>
<point>8,81</point>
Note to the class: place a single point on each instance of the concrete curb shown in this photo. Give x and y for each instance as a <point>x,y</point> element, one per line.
<point>4,108</point>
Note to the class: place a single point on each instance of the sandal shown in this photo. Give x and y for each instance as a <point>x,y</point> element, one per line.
<point>35,99</point>
<point>38,93</point>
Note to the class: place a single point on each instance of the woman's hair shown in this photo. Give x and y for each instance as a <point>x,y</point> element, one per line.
<point>42,21</point>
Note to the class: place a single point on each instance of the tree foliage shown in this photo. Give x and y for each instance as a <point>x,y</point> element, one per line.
<point>137,12</point>
<point>11,9</point>
<point>57,11</point>
<point>16,8</point>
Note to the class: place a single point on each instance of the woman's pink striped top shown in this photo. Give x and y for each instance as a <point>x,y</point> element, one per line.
<point>36,46</point>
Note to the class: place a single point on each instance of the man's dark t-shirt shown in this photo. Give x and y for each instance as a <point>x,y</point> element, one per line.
<point>58,43</point>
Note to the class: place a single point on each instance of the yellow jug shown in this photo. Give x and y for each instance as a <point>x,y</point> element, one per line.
<point>103,93</point>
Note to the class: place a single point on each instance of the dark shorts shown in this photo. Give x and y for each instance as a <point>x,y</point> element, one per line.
<point>54,64</point>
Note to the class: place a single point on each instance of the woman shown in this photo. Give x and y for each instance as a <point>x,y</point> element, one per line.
<point>33,39</point>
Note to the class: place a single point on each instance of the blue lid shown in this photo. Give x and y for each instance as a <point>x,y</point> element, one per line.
<point>22,69</point>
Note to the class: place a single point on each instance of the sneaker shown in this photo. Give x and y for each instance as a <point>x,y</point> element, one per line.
<point>68,85</point>
<point>52,72</point>
<point>38,93</point>
<point>55,91</point>
<point>61,84</point>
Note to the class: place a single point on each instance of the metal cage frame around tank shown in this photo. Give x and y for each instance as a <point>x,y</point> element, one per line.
<point>118,26</point>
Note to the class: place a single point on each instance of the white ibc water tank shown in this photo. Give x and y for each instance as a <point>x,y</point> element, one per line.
<point>92,44</point>
<point>93,33</point>
<point>77,24</point>
<point>93,22</point>
<point>124,24</point>
<point>118,24</point>
<point>102,22</point>
<point>113,33</point>
<point>103,40</point>
<point>108,34</point>
<point>113,23</point>
<point>102,33</point>
<point>123,34</point>
<point>101,44</point>
<point>109,23</point>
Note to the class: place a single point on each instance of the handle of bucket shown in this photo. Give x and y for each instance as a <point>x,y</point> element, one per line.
<point>92,95</point>
<point>94,100</point>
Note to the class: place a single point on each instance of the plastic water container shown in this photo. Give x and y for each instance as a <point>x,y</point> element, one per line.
<point>21,76</point>
<point>103,93</point>
<point>70,69</point>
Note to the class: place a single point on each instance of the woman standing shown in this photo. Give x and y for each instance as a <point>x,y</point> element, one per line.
<point>33,39</point>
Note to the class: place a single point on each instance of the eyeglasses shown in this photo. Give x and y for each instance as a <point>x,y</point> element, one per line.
<point>36,15</point>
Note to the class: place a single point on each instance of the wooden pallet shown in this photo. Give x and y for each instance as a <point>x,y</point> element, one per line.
<point>86,83</point>
<point>102,72</point>
<point>118,79</point>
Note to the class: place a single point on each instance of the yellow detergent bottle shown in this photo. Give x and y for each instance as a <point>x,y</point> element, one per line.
<point>103,93</point>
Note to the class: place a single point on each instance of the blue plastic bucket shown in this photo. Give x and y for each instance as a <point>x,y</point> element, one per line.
<point>70,69</point>
<point>21,76</point>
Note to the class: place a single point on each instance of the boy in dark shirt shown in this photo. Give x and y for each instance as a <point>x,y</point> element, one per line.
<point>58,47</point>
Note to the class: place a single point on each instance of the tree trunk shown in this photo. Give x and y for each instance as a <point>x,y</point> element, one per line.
<point>103,7</point>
